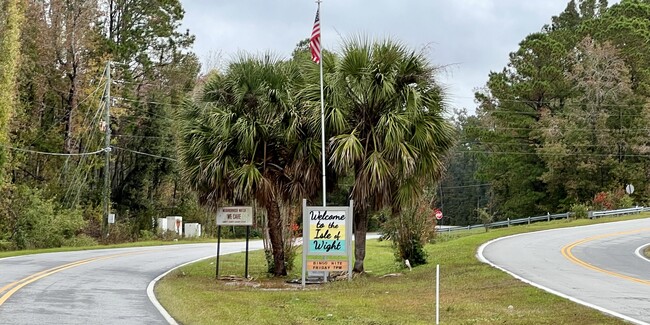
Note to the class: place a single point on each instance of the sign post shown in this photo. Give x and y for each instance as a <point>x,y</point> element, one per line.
<point>234,216</point>
<point>218,247</point>
<point>327,231</point>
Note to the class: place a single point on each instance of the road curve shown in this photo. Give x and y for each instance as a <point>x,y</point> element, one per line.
<point>594,265</point>
<point>107,286</point>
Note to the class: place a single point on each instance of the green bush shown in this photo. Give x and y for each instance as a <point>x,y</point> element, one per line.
<point>7,246</point>
<point>410,231</point>
<point>81,240</point>
<point>40,223</point>
<point>122,231</point>
<point>146,235</point>
<point>485,217</point>
<point>625,202</point>
<point>580,211</point>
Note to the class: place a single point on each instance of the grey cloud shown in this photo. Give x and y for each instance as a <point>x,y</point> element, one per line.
<point>473,36</point>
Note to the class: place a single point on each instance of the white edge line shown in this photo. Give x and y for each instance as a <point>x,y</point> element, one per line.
<point>641,255</point>
<point>152,297</point>
<point>152,284</point>
<point>479,255</point>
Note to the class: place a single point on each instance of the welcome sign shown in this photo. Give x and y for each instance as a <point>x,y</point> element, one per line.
<point>327,232</point>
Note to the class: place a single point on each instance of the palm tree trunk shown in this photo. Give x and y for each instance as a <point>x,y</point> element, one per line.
<point>275,234</point>
<point>360,230</point>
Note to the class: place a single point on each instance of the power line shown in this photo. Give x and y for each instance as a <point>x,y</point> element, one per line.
<point>139,136</point>
<point>535,145</point>
<point>147,102</point>
<point>545,102</point>
<point>548,154</point>
<point>465,186</point>
<point>500,128</point>
<point>144,153</point>
<point>56,153</point>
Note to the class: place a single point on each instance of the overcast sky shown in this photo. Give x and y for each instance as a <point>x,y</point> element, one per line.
<point>472,37</point>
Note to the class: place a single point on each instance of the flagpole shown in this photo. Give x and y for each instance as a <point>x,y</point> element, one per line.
<point>322,109</point>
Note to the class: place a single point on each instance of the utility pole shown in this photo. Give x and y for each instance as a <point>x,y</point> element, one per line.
<point>107,148</point>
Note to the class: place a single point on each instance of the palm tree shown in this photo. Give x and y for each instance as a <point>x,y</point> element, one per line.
<point>385,116</point>
<point>246,139</point>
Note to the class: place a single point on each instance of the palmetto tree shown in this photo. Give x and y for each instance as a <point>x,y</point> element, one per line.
<point>246,139</point>
<point>385,117</point>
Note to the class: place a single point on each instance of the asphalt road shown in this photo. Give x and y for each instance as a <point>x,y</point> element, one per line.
<point>593,265</point>
<point>93,287</point>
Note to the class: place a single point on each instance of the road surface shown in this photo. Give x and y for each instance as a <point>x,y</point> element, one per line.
<point>598,265</point>
<point>106,286</point>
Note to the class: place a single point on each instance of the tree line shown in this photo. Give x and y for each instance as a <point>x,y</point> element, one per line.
<point>564,123</point>
<point>51,120</point>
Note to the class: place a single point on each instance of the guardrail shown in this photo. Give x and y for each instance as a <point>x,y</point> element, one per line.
<point>547,217</point>
<point>619,212</point>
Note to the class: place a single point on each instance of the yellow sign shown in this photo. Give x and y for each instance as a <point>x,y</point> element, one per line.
<point>327,265</point>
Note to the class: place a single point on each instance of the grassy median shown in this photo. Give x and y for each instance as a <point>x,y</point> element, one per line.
<point>471,292</point>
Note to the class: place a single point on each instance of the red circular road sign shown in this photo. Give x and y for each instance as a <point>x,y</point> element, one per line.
<point>438,214</point>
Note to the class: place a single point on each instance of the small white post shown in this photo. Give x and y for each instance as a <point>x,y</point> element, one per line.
<point>437,294</point>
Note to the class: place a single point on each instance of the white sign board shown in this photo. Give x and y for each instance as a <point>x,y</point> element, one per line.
<point>235,216</point>
<point>111,218</point>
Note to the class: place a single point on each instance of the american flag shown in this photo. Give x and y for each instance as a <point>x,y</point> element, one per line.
<point>314,41</point>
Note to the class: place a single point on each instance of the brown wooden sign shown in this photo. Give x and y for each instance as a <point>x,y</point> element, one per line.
<point>327,265</point>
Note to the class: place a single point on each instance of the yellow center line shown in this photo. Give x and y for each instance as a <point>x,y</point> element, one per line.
<point>15,286</point>
<point>568,254</point>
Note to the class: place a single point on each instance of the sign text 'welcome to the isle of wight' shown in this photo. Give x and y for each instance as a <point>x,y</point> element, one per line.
<point>327,231</point>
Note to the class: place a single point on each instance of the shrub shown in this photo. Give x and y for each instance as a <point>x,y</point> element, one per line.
<point>625,202</point>
<point>410,230</point>
<point>81,240</point>
<point>485,217</point>
<point>146,235</point>
<point>616,199</point>
<point>580,211</point>
<point>122,231</point>
<point>620,199</point>
<point>603,201</point>
<point>40,223</point>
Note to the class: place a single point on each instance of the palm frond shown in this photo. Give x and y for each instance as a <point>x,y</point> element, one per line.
<point>346,151</point>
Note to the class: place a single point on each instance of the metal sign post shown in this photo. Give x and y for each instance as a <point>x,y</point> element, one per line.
<point>248,232</point>
<point>218,247</point>
<point>234,216</point>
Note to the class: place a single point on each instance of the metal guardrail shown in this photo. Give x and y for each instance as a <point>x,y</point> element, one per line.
<point>547,217</point>
<point>606,213</point>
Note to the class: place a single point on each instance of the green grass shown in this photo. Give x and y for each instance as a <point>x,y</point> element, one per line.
<point>471,292</point>
<point>646,252</point>
<point>132,244</point>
